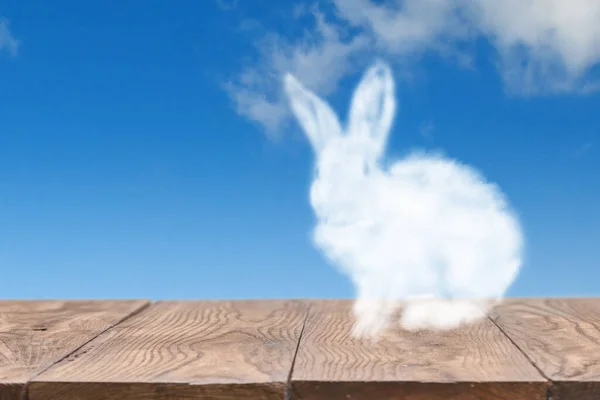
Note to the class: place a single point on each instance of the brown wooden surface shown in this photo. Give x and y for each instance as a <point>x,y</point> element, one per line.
<point>473,362</point>
<point>36,334</point>
<point>561,337</point>
<point>245,349</point>
<point>184,350</point>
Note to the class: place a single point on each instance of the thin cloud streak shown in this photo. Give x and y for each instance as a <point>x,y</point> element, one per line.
<point>7,41</point>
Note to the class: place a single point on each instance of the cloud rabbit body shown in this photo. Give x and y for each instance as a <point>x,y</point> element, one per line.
<point>425,226</point>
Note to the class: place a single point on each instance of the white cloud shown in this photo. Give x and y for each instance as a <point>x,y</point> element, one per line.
<point>542,46</point>
<point>7,41</point>
<point>426,227</point>
<point>321,58</point>
<point>545,46</point>
<point>408,26</point>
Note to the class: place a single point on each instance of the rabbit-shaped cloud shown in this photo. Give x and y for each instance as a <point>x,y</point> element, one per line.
<point>428,230</point>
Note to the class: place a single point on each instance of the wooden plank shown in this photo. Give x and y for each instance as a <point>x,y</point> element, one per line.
<point>473,362</point>
<point>561,337</point>
<point>36,334</point>
<point>185,350</point>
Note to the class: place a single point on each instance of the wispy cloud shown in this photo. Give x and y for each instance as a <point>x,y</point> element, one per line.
<point>227,5</point>
<point>542,46</point>
<point>7,41</point>
<point>584,148</point>
<point>410,26</point>
<point>426,129</point>
<point>321,58</point>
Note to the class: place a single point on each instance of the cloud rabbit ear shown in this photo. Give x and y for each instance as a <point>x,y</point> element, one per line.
<point>373,105</point>
<point>314,115</point>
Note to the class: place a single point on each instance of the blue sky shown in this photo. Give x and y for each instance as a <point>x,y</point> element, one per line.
<point>147,151</point>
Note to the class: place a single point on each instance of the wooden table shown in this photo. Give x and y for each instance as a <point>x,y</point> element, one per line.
<point>530,348</point>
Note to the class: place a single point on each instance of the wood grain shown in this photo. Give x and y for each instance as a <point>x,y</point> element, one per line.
<point>185,350</point>
<point>36,334</point>
<point>473,362</point>
<point>561,337</point>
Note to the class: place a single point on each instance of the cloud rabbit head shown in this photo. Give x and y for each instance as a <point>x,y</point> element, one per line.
<point>370,119</point>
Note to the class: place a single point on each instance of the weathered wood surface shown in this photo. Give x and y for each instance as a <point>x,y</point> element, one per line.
<point>34,335</point>
<point>271,349</point>
<point>473,362</point>
<point>561,337</point>
<point>184,350</point>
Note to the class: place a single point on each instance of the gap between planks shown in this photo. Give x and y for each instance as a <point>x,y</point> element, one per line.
<point>511,340</point>
<point>126,317</point>
<point>287,394</point>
